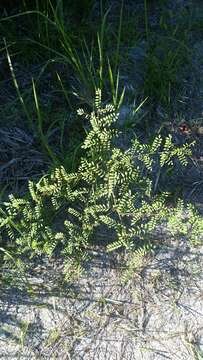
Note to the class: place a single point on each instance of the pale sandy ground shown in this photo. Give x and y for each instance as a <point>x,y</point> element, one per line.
<point>158,315</point>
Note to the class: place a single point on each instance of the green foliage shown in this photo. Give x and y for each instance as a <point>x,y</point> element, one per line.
<point>167,57</point>
<point>110,193</point>
<point>189,224</point>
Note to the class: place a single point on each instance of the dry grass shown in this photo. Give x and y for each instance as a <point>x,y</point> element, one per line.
<point>20,160</point>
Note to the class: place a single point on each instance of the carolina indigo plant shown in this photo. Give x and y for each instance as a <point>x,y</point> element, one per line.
<point>109,199</point>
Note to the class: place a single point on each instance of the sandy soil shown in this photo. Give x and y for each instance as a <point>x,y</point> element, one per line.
<point>156,315</point>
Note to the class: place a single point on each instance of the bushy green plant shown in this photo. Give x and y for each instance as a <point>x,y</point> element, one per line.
<point>110,198</point>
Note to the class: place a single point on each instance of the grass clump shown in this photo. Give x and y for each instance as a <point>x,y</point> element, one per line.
<point>108,201</point>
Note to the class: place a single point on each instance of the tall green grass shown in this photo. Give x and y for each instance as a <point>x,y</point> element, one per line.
<point>87,59</point>
<point>92,54</point>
